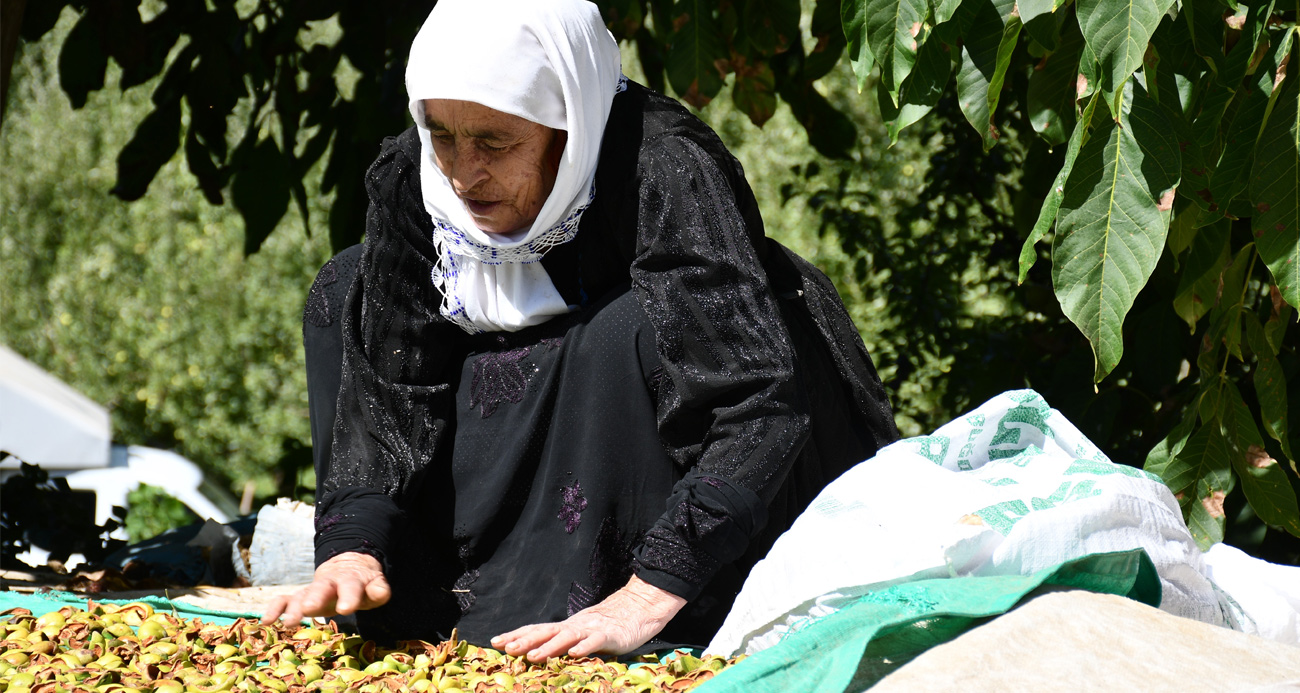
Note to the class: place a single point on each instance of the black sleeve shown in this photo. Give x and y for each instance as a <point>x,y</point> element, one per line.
<point>394,401</point>
<point>729,408</point>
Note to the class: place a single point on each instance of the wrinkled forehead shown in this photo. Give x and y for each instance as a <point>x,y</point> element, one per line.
<point>472,119</point>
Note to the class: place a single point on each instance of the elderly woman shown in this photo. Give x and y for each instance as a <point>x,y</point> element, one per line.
<point>568,393</point>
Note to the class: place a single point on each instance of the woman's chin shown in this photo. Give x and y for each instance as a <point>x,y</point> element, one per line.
<point>500,224</point>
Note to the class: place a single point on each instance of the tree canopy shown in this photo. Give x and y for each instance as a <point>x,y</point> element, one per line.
<point>1159,142</point>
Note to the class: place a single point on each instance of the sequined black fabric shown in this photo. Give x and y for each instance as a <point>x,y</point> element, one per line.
<point>701,417</point>
<point>463,589</point>
<point>318,311</point>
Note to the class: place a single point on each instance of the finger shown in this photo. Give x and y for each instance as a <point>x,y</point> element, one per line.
<point>556,646</point>
<point>274,609</point>
<point>521,640</point>
<point>319,598</point>
<point>592,643</point>
<point>293,611</point>
<point>349,593</point>
<point>377,593</point>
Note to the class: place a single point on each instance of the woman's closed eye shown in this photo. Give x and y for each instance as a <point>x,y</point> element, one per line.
<point>449,140</point>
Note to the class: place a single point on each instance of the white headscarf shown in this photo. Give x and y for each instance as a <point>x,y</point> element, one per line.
<point>552,62</point>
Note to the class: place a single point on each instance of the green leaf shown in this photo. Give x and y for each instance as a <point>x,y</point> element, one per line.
<point>82,62</point>
<point>201,165</point>
<point>1118,31</point>
<point>623,18</point>
<point>1199,281</point>
<point>1237,421</point>
<point>1225,319</point>
<point>1253,38</point>
<point>1201,478</point>
<point>854,17</point>
<point>1275,192</point>
<point>1278,321</point>
<point>1206,26</point>
<point>1262,479</point>
<point>754,92</point>
<point>988,41</point>
<point>943,10</point>
<point>1040,22</point>
<point>768,26</point>
<point>1214,104</point>
<point>1183,228</point>
<point>155,141</point>
<point>1047,216</point>
<point>830,132</point>
<point>1232,173</point>
<point>1195,173</point>
<point>920,92</point>
<point>695,50</point>
<point>1270,384</point>
<point>1089,72</point>
<point>893,30</point>
<point>1178,60</point>
<point>1164,453</point>
<point>1053,88</point>
<point>828,33</point>
<point>40,17</point>
<point>260,192</point>
<point>1113,222</point>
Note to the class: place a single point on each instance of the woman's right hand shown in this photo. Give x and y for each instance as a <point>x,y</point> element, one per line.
<point>344,584</point>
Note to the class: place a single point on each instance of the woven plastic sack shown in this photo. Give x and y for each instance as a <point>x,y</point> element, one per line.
<point>1012,488</point>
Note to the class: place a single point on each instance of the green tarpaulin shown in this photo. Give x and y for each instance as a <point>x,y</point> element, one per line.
<point>42,603</point>
<point>853,648</point>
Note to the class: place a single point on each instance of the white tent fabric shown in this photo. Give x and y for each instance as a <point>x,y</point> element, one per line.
<point>44,421</point>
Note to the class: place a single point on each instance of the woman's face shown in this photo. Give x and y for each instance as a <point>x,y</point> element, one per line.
<point>501,166</point>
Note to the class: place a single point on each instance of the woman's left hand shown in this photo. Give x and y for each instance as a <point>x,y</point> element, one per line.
<point>624,621</point>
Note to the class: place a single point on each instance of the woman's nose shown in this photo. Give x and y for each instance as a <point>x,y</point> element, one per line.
<point>468,168</point>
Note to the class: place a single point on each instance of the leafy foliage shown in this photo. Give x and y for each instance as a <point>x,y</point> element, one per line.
<point>1156,175</point>
<point>154,511</point>
<point>150,308</point>
<point>255,100</point>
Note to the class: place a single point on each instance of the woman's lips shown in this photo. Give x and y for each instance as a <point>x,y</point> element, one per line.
<point>481,208</point>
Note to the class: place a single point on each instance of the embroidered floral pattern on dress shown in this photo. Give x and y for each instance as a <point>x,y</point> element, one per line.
<point>610,567</point>
<point>498,377</point>
<point>326,522</point>
<point>572,506</point>
<point>501,376</point>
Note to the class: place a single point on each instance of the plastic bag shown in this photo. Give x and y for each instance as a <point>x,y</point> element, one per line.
<point>1265,597</point>
<point>1009,489</point>
<point>283,547</point>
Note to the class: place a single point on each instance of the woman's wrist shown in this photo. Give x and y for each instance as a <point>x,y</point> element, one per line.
<point>659,604</point>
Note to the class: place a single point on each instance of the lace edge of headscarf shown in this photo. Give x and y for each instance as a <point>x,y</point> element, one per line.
<point>453,245</point>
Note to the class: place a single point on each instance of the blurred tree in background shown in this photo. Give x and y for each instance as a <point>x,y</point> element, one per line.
<point>153,512</point>
<point>182,316</point>
<point>149,308</point>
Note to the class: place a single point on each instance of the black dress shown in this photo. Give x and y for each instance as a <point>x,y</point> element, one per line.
<point>708,386</point>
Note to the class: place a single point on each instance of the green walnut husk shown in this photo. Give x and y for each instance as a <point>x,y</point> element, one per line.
<point>110,648</point>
